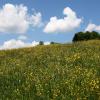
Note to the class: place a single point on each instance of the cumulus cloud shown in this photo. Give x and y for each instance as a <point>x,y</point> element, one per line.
<point>11,44</point>
<point>36,19</point>
<point>66,24</point>
<point>92,27</point>
<point>46,43</point>
<point>14,44</point>
<point>16,19</point>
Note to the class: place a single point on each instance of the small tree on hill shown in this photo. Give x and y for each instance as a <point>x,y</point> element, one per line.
<point>52,43</point>
<point>41,43</point>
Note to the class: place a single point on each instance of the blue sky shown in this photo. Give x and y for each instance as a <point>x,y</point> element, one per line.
<point>86,10</point>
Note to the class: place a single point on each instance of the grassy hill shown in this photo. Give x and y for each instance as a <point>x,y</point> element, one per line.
<point>54,72</point>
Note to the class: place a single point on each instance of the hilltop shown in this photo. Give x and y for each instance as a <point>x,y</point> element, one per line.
<point>53,72</point>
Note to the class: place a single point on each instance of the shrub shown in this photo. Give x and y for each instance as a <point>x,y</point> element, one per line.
<point>52,43</point>
<point>41,43</point>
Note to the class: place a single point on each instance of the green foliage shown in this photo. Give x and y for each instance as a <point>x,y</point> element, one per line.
<point>54,72</point>
<point>82,36</point>
<point>41,43</point>
<point>52,43</point>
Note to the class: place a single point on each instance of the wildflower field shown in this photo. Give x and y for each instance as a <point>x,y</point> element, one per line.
<point>53,72</point>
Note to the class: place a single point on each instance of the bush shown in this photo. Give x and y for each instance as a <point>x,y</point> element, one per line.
<point>82,36</point>
<point>52,43</point>
<point>41,43</point>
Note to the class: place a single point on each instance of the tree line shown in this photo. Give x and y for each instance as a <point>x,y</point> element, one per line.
<point>84,36</point>
<point>81,36</point>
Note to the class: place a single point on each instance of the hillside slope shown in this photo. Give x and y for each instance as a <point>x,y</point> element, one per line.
<point>54,72</point>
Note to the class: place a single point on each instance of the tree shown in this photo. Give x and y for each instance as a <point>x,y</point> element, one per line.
<point>52,43</point>
<point>83,36</point>
<point>41,43</point>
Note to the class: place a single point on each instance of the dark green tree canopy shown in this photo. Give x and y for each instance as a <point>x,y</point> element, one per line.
<point>83,36</point>
<point>52,42</point>
<point>41,43</point>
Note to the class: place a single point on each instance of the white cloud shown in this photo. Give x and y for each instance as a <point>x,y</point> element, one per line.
<point>13,19</point>
<point>92,27</point>
<point>66,24</point>
<point>16,19</point>
<point>46,43</point>
<point>36,20</point>
<point>35,43</point>
<point>11,44</point>
<point>22,37</point>
<point>14,44</point>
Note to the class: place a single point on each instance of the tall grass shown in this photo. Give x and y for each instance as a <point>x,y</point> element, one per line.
<point>54,72</point>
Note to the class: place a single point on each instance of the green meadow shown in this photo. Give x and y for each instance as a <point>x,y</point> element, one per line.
<point>53,72</point>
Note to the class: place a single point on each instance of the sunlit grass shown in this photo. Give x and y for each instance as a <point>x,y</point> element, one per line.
<point>54,72</point>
